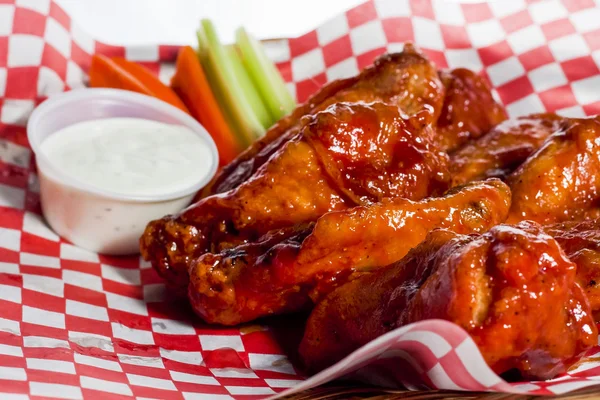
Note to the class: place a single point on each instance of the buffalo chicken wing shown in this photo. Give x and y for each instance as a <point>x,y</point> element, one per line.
<point>581,242</point>
<point>282,272</point>
<point>407,80</point>
<point>561,180</point>
<point>469,109</point>
<point>512,289</point>
<point>503,149</point>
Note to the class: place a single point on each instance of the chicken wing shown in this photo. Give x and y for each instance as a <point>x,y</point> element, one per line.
<point>405,79</point>
<point>499,152</point>
<point>581,242</point>
<point>469,109</point>
<point>348,154</point>
<point>273,276</point>
<point>512,289</point>
<point>561,181</point>
<point>462,101</point>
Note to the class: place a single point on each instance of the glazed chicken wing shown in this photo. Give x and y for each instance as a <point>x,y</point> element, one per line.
<point>459,101</point>
<point>512,289</point>
<point>561,181</point>
<point>407,80</point>
<point>499,152</point>
<point>581,242</point>
<point>348,154</point>
<point>469,109</point>
<point>282,272</point>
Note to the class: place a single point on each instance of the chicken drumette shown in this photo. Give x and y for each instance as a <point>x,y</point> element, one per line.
<point>512,289</point>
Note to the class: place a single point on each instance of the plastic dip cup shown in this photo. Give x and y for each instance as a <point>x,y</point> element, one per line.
<point>88,216</point>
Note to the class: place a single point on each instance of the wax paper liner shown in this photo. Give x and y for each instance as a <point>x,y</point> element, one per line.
<point>74,324</point>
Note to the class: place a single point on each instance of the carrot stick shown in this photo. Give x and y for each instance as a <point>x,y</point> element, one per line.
<point>105,73</point>
<point>152,83</point>
<point>190,83</point>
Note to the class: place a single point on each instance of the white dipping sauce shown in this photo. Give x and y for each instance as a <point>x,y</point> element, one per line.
<point>129,156</point>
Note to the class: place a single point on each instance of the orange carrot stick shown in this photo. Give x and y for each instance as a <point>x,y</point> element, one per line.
<point>190,83</point>
<point>152,83</point>
<point>105,73</point>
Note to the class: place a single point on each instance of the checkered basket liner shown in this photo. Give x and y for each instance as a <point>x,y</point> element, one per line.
<point>75,324</point>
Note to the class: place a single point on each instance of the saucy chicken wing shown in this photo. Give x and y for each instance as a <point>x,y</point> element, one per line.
<point>469,109</point>
<point>560,181</point>
<point>283,272</point>
<point>512,289</point>
<point>407,80</point>
<point>581,242</point>
<point>499,152</point>
<point>348,154</point>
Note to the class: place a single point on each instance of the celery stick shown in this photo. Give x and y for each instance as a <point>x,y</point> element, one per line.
<point>212,77</point>
<point>249,89</point>
<point>265,75</point>
<point>227,87</point>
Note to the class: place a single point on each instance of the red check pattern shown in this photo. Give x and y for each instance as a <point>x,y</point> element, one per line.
<point>74,324</point>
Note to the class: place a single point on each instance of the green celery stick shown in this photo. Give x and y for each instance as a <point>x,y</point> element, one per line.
<point>249,89</point>
<point>265,75</point>
<point>211,76</point>
<point>226,85</point>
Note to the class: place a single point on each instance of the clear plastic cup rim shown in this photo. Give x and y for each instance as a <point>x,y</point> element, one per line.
<point>61,103</point>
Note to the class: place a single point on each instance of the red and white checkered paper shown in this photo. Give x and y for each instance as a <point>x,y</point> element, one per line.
<point>74,324</point>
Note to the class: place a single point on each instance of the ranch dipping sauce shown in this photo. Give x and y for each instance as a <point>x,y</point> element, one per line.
<point>129,156</point>
<point>103,180</point>
<point>109,161</point>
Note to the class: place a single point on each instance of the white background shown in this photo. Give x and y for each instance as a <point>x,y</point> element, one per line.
<point>135,22</point>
